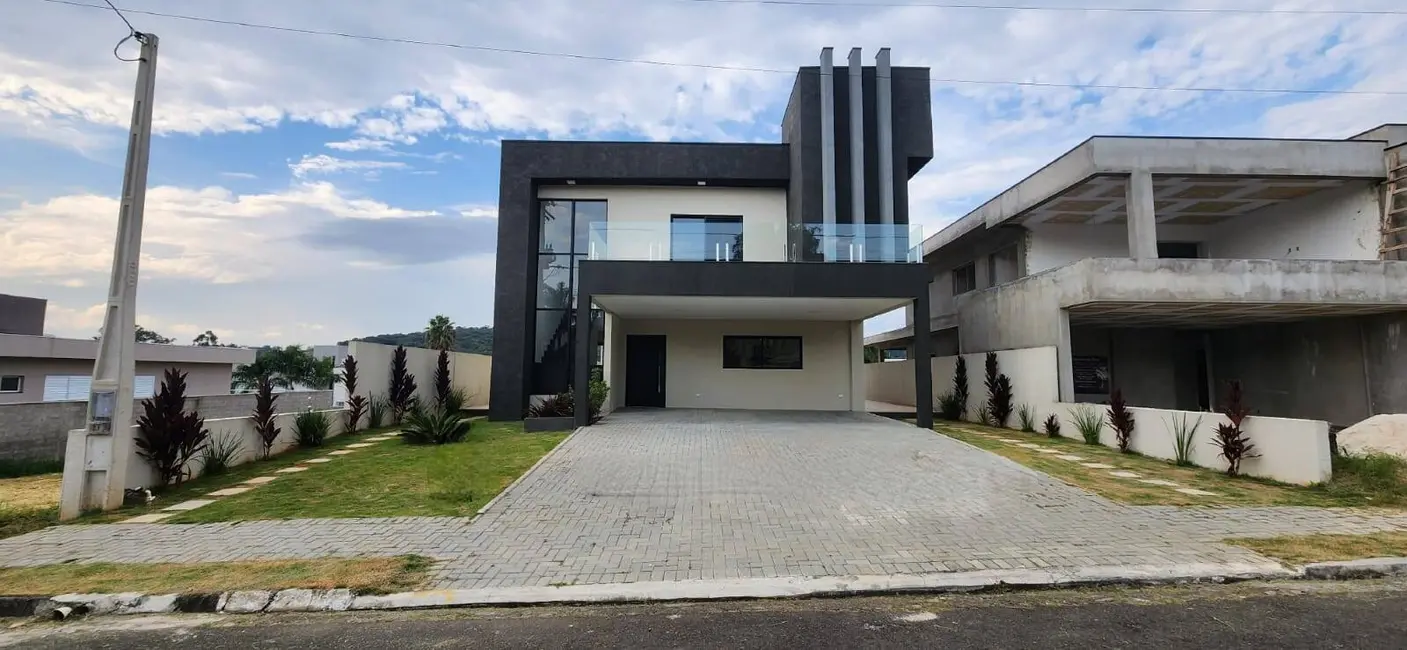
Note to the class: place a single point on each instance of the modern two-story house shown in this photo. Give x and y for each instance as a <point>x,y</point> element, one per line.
<point>715,275</point>
<point>1166,267</point>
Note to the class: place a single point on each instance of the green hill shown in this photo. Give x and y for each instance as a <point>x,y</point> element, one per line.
<point>476,340</point>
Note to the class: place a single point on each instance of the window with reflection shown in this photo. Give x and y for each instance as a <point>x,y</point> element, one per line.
<point>564,239</point>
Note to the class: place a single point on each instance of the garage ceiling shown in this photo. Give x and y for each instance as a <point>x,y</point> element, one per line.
<point>1184,200</point>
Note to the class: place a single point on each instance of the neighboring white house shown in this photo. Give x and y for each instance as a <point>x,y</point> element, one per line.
<point>1166,267</point>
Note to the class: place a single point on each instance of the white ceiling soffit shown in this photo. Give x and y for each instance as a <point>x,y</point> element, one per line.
<point>1184,200</point>
<point>1195,315</point>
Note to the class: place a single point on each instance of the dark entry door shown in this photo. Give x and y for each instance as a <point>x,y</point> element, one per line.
<point>644,370</point>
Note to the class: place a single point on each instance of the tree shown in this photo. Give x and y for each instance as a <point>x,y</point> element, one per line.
<point>356,404</point>
<point>168,437</point>
<point>207,340</point>
<point>286,367</point>
<point>402,389</point>
<point>145,335</point>
<point>440,333</point>
<point>442,379</point>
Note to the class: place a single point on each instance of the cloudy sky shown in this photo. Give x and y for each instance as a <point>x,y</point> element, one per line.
<point>309,188</point>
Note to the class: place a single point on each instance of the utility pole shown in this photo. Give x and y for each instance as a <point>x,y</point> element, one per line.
<point>106,446</point>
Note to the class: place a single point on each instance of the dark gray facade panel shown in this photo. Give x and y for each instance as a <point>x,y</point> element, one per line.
<point>754,279</point>
<point>528,164</point>
<point>21,315</point>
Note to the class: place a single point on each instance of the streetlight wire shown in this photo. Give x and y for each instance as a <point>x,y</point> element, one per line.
<point>131,34</point>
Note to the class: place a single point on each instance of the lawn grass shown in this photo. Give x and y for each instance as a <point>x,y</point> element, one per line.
<point>394,479</point>
<point>28,503</point>
<point>361,575</point>
<point>1303,549</point>
<point>1357,482</point>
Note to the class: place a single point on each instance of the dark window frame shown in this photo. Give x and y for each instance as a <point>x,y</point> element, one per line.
<point>572,257</point>
<point>735,253</point>
<point>19,383</point>
<point>743,363</point>
<point>970,271</point>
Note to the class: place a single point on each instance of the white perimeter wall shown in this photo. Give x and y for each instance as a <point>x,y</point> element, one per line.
<point>831,377</point>
<point>1291,450</point>
<point>469,372</point>
<point>647,211</point>
<point>1033,373</point>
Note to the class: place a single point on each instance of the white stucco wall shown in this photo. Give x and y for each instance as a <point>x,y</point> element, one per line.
<point>1034,375</point>
<point>1338,224</point>
<point>640,216</point>
<point>695,376</point>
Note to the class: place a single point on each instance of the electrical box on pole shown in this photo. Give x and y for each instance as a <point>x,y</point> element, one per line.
<point>96,460</point>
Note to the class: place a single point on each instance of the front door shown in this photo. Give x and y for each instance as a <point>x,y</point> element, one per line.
<point>644,370</point>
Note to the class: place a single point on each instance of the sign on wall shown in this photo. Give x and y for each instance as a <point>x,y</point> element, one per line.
<point>1091,375</point>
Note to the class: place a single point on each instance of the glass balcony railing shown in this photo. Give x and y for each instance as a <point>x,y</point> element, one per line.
<point>710,239</point>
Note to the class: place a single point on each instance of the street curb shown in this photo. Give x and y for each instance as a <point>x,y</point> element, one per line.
<point>1377,567</point>
<point>336,600</point>
<point>524,475</point>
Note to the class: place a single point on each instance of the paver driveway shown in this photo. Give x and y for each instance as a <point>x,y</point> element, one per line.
<point>676,495</point>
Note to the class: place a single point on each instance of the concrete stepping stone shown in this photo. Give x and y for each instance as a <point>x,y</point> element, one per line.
<point>229,492</point>
<point>381,438</point>
<point>341,452</point>
<point>1047,450</point>
<point>261,480</point>
<point>1097,466</point>
<point>1071,457</point>
<point>359,445</point>
<point>1197,493</point>
<point>291,470</point>
<point>1157,481</point>
<point>1027,445</point>
<point>1009,440</point>
<point>153,518</point>
<point>188,505</point>
<point>1122,474</point>
<point>324,459</point>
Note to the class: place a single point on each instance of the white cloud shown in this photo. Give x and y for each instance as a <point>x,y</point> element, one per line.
<point>325,164</point>
<point>243,175</point>
<point>360,144</point>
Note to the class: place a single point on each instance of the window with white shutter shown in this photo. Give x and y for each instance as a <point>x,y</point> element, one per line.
<point>144,387</point>
<point>67,388</point>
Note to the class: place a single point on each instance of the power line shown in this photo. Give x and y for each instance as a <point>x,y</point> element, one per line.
<point>709,66</point>
<point>117,11</point>
<point>1104,9</point>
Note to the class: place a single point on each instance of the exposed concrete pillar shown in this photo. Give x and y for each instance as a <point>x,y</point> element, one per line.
<point>827,154</point>
<point>1064,363</point>
<point>1142,221</point>
<point>857,141</point>
<point>923,363</point>
<point>884,128</point>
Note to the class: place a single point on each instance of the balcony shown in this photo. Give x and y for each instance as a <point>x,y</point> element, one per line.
<point>731,239</point>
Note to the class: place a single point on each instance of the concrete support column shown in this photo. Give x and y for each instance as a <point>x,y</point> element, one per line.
<point>581,375</point>
<point>859,390</point>
<point>923,363</point>
<point>1064,363</point>
<point>1142,221</point>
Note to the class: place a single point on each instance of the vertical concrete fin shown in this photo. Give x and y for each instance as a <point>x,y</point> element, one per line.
<point>827,146</point>
<point>884,120</point>
<point>857,138</point>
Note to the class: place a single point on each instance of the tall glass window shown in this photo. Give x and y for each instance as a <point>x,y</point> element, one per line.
<point>563,241</point>
<point>711,238</point>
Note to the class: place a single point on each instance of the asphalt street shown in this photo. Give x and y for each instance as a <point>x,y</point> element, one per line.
<point>1282,615</point>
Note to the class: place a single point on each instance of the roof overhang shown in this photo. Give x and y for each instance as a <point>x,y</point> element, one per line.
<point>50,347</point>
<point>1206,315</point>
<point>746,308</point>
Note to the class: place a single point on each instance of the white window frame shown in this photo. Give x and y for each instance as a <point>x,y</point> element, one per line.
<point>20,389</point>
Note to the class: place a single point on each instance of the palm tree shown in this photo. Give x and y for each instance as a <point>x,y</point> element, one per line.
<point>439,334</point>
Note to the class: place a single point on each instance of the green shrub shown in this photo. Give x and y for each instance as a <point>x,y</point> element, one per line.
<point>265,400</point>
<point>376,412</point>
<point>356,404</point>
<point>1027,416</point>
<point>1230,439</point>
<point>310,428</point>
<point>17,468</point>
<point>1183,432</point>
<point>1052,426</point>
<point>454,400</point>
<point>434,427</point>
<point>984,415</point>
<point>220,455</point>
<point>949,406</point>
<point>1089,422</point>
<point>599,390</point>
<point>960,392</point>
<point>999,393</point>
<point>561,405</point>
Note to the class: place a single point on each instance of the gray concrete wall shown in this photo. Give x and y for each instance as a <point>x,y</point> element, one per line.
<point>1312,369</point>
<point>1154,367</point>
<point>1385,353</point>
<point>39,430</point>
